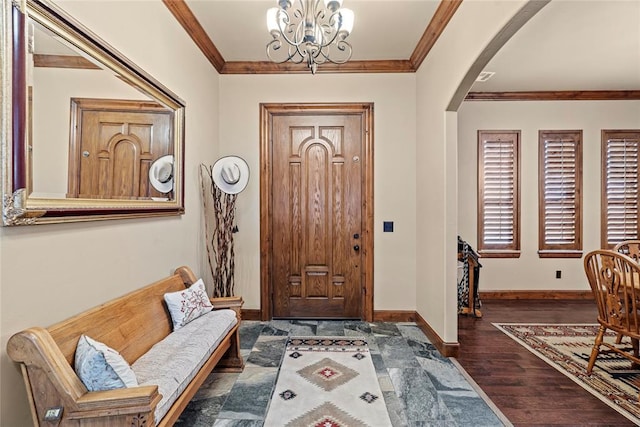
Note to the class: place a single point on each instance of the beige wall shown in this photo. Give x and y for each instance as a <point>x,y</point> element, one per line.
<point>394,169</point>
<point>466,35</point>
<point>50,272</point>
<point>529,272</point>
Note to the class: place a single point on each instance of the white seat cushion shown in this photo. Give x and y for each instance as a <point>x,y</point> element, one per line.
<point>173,362</point>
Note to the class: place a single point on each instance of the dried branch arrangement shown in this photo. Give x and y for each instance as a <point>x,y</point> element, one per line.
<point>219,215</point>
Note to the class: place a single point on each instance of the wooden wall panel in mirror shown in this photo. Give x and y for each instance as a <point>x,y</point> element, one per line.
<point>86,133</point>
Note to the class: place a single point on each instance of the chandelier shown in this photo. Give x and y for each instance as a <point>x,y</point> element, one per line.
<point>309,32</point>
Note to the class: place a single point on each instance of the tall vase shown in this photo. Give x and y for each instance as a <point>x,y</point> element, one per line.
<point>219,214</point>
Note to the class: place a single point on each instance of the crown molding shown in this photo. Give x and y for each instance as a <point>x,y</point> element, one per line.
<point>192,26</point>
<point>443,14</point>
<point>267,67</point>
<point>436,26</point>
<point>558,95</point>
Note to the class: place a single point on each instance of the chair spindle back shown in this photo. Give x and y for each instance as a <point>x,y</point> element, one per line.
<point>631,248</point>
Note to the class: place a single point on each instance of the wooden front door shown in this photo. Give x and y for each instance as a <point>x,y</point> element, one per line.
<point>318,233</point>
<point>113,144</point>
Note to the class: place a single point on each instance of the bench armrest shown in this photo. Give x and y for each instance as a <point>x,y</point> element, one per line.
<point>125,406</point>
<point>233,303</point>
<point>227,302</point>
<point>123,399</point>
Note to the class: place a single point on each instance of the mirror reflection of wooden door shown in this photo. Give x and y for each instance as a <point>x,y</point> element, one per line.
<point>317,180</point>
<point>113,143</point>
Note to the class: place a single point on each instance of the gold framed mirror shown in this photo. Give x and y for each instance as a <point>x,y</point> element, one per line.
<point>86,133</point>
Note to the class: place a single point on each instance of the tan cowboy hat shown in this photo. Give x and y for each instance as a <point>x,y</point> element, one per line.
<point>230,174</point>
<point>161,174</point>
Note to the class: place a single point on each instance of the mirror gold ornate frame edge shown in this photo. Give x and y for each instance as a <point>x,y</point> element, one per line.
<point>17,207</point>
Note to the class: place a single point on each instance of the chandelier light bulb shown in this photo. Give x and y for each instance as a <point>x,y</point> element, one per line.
<point>347,20</point>
<point>272,19</point>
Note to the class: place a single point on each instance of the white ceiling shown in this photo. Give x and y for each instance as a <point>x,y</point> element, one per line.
<point>238,28</point>
<point>568,45</point>
<point>572,45</point>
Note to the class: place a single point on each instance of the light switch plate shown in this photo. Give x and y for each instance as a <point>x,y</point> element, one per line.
<point>53,414</point>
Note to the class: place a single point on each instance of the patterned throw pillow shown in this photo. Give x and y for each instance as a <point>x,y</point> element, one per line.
<point>188,305</point>
<point>102,368</point>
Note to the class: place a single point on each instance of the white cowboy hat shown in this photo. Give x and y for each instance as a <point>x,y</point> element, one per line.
<point>161,174</point>
<point>230,174</point>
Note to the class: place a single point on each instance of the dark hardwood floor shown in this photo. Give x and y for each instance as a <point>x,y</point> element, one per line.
<point>527,390</point>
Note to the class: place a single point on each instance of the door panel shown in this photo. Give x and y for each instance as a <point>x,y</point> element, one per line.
<point>317,204</point>
<point>112,148</point>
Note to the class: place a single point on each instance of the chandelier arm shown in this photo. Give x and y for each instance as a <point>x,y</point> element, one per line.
<point>341,45</point>
<point>278,45</point>
<point>330,28</point>
<point>303,15</point>
<point>286,26</point>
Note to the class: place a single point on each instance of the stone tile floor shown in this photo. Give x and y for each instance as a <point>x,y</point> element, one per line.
<point>420,387</point>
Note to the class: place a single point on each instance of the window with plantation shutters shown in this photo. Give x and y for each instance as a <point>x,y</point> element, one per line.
<point>499,194</point>
<point>560,194</point>
<point>619,216</point>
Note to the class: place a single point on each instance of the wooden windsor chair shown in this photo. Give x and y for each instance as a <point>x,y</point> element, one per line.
<point>614,279</point>
<point>631,248</point>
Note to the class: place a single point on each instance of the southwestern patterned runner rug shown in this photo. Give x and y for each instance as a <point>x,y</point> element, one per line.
<point>327,382</point>
<point>567,348</point>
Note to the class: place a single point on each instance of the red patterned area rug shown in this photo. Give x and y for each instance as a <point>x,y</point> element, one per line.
<point>567,348</point>
<point>327,382</point>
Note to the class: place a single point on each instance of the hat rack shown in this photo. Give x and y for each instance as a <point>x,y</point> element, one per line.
<point>219,215</point>
<point>221,183</point>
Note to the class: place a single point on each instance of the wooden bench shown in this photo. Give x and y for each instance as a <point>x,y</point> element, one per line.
<point>131,324</point>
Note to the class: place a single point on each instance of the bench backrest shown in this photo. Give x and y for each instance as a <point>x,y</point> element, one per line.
<point>130,324</point>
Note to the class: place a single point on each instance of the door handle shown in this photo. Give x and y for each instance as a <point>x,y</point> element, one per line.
<point>356,248</point>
